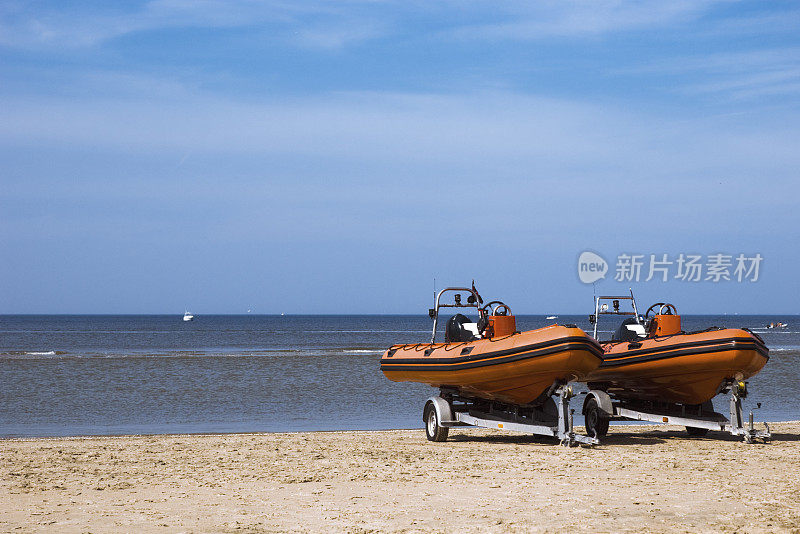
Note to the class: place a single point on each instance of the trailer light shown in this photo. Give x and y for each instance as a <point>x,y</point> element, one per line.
<point>742,387</point>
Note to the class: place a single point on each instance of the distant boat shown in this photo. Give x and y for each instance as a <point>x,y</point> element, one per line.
<point>550,317</point>
<point>777,325</point>
<point>188,316</point>
<point>283,313</point>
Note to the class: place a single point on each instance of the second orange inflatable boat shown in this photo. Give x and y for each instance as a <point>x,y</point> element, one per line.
<point>654,359</point>
<point>490,359</point>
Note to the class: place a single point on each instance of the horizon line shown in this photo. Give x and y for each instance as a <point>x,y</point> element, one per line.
<point>94,314</point>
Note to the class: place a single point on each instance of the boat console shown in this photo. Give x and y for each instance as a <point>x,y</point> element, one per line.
<point>495,319</point>
<point>665,322</point>
<point>660,319</point>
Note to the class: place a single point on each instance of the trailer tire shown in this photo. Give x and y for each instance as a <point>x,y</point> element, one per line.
<point>596,419</point>
<point>696,432</point>
<point>433,429</point>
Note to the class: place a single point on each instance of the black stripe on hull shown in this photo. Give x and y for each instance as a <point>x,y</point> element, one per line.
<point>670,352</point>
<point>762,347</point>
<point>492,358</point>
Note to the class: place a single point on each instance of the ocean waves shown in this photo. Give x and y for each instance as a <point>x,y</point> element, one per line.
<point>208,353</point>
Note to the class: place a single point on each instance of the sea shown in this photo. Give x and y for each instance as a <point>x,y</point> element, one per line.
<point>71,375</point>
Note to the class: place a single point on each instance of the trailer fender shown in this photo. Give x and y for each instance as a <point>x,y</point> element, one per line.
<point>443,411</point>
<point>602,399</point>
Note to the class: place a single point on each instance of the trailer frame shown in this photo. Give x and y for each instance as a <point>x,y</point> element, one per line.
<point>552,418</point>
<point>692,417</point>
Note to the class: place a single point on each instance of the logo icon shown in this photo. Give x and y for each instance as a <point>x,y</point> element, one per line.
<point>591,267</point>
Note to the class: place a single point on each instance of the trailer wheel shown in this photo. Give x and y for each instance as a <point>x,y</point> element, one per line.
<point>433,430</point>
<point>696,432</point>
<point>596,419</point>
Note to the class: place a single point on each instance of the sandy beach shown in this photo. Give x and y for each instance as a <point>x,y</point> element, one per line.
<point>643,478</point>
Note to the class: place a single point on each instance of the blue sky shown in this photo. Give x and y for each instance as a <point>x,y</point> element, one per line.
<point>333,157</point>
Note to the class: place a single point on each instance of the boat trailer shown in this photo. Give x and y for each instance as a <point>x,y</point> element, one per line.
<point>599,408</point>
<point>553,418</point>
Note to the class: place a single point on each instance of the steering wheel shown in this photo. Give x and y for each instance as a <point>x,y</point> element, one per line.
<point>487,308</point>
<point>664,308</point>
<point>501,309</point>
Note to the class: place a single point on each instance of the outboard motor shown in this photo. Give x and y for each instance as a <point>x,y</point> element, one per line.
<point>455,332</point>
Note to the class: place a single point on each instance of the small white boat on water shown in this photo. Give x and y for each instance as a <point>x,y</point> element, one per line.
<point>188,316</point>
<point>551,317</point>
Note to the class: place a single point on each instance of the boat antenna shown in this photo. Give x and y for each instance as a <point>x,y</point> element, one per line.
<point>434,291</point>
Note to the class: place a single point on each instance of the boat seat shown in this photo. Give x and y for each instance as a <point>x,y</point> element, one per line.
<point>629,330</point>
<point>472,328</point>
<point>459,329</point>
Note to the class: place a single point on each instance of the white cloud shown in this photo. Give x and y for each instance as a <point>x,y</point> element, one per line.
<point>334,24</point>
<point>76,28</point>
<point>755,85</point>
<point>536,20</point>
<point>335,37</point>
<point>511,134</point>
<point>720,62</point>
<point>733,75</point>
<point>774,22</point>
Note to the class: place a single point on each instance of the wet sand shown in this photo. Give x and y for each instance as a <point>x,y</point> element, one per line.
<point>642,479</point>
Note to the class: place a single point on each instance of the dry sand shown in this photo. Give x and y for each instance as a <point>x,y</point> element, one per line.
<point>649,478</point>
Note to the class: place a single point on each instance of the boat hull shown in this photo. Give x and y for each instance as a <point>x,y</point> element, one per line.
<point>682,368</point>
<point>516,369</point>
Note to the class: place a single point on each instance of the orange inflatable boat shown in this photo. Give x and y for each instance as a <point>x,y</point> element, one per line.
<point>490,359</point>
<point>654,359</point>
<point>655,371</point>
